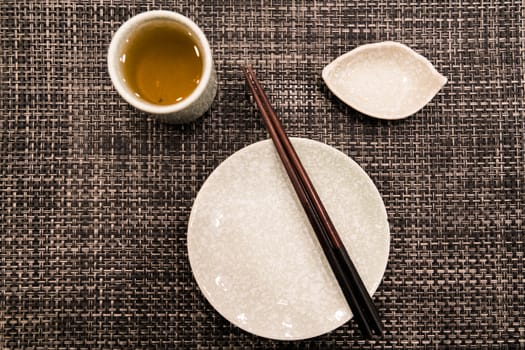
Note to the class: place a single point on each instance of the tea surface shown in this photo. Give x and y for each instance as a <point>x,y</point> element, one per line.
<point>162,64</point>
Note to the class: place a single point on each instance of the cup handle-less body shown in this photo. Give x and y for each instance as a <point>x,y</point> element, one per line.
<point>192,107</point>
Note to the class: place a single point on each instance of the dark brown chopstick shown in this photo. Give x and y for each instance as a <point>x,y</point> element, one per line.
<point>352,286</point>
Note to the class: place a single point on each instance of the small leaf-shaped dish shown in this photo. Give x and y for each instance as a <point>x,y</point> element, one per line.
<point>385,80</point>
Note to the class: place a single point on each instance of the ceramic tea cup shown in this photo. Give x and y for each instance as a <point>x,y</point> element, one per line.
<point>161,63</point>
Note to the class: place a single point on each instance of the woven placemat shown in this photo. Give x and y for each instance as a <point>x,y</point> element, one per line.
<point>95,196</point>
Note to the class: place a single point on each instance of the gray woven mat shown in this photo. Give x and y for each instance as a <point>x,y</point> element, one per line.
<point>95,196</point>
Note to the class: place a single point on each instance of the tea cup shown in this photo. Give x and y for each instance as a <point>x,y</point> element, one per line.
<point>199,99</point>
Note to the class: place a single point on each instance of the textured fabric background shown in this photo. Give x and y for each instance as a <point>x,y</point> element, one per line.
<point>95,196</point>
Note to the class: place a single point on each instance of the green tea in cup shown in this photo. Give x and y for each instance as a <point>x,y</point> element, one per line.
<point>162,63</point>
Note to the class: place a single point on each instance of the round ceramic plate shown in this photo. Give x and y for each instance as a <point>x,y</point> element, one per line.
<point>254,254</point>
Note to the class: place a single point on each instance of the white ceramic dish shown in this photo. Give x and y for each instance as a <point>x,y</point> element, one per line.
<point>385,80</point>
<point>255,256</point>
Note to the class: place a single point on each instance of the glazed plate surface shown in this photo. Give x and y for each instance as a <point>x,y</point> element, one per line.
<point>254,254</point>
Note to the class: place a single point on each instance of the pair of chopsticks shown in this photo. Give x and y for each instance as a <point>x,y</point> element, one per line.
<point>354,291</point>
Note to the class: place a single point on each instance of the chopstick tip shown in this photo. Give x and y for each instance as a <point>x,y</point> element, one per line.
<point>247,69</point>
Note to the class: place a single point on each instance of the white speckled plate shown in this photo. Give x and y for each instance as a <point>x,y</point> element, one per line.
<point>254,254</point>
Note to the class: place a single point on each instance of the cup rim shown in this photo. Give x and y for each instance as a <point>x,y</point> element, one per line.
<point>114,56</point>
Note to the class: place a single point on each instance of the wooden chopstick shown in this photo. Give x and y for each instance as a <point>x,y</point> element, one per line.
<point>360,302</point>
